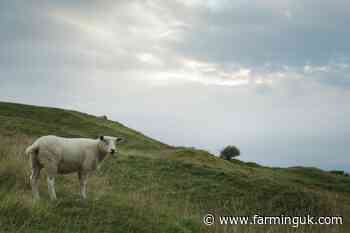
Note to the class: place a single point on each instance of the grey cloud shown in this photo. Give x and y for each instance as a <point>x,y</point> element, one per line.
<point>253,34</point>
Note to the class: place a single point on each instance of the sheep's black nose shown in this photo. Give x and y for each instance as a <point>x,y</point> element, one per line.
<point>112,151</point>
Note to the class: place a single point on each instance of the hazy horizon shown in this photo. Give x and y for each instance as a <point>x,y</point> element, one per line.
<point>271,77</point>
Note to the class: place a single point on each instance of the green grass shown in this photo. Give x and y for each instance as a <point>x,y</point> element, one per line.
<point>153,187</point>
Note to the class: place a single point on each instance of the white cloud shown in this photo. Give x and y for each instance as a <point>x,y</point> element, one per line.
<point>149,58</point>
<point>309,69</point>
<point>288,14</point>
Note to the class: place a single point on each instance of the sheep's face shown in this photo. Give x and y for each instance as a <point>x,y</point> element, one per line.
<point>108,144</point>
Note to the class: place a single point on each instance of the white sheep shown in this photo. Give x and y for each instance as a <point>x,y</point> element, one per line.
<point>67,155</point>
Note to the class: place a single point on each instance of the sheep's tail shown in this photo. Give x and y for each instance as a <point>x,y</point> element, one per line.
<point>32,152</point>
<point>32,149</point>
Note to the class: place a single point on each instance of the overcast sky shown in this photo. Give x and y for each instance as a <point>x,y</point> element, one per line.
<point>270,76</point>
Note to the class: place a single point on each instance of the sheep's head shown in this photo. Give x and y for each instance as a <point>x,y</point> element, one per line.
<point>108,144</point>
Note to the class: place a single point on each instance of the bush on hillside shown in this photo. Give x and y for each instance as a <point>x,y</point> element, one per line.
<point>229,152</point>
<point>339,172</point>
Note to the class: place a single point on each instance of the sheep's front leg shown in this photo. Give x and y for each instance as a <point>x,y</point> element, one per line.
<point>83,183</point>
<point>51,187</point>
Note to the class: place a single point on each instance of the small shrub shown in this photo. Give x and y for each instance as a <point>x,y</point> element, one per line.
<point>229,152</point>
<point>339,173</point>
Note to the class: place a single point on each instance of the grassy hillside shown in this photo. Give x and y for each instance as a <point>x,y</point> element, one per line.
<point>153,187</point>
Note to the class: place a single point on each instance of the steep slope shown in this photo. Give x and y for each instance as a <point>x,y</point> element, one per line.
<point>152,187</point>
<point>37,121</point>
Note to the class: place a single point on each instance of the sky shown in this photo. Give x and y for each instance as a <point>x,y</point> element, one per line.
<point>269,76</point>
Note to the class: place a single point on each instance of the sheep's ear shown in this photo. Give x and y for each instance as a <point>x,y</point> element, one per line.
<point>101,138</point>
<point>119,139</point>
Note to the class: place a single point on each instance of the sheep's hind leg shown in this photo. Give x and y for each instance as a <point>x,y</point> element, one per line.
<point>34,181</point>
<point>51,187</point>
<point>83,183</point>
<point>49,162</point>
<point>51,175</point>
